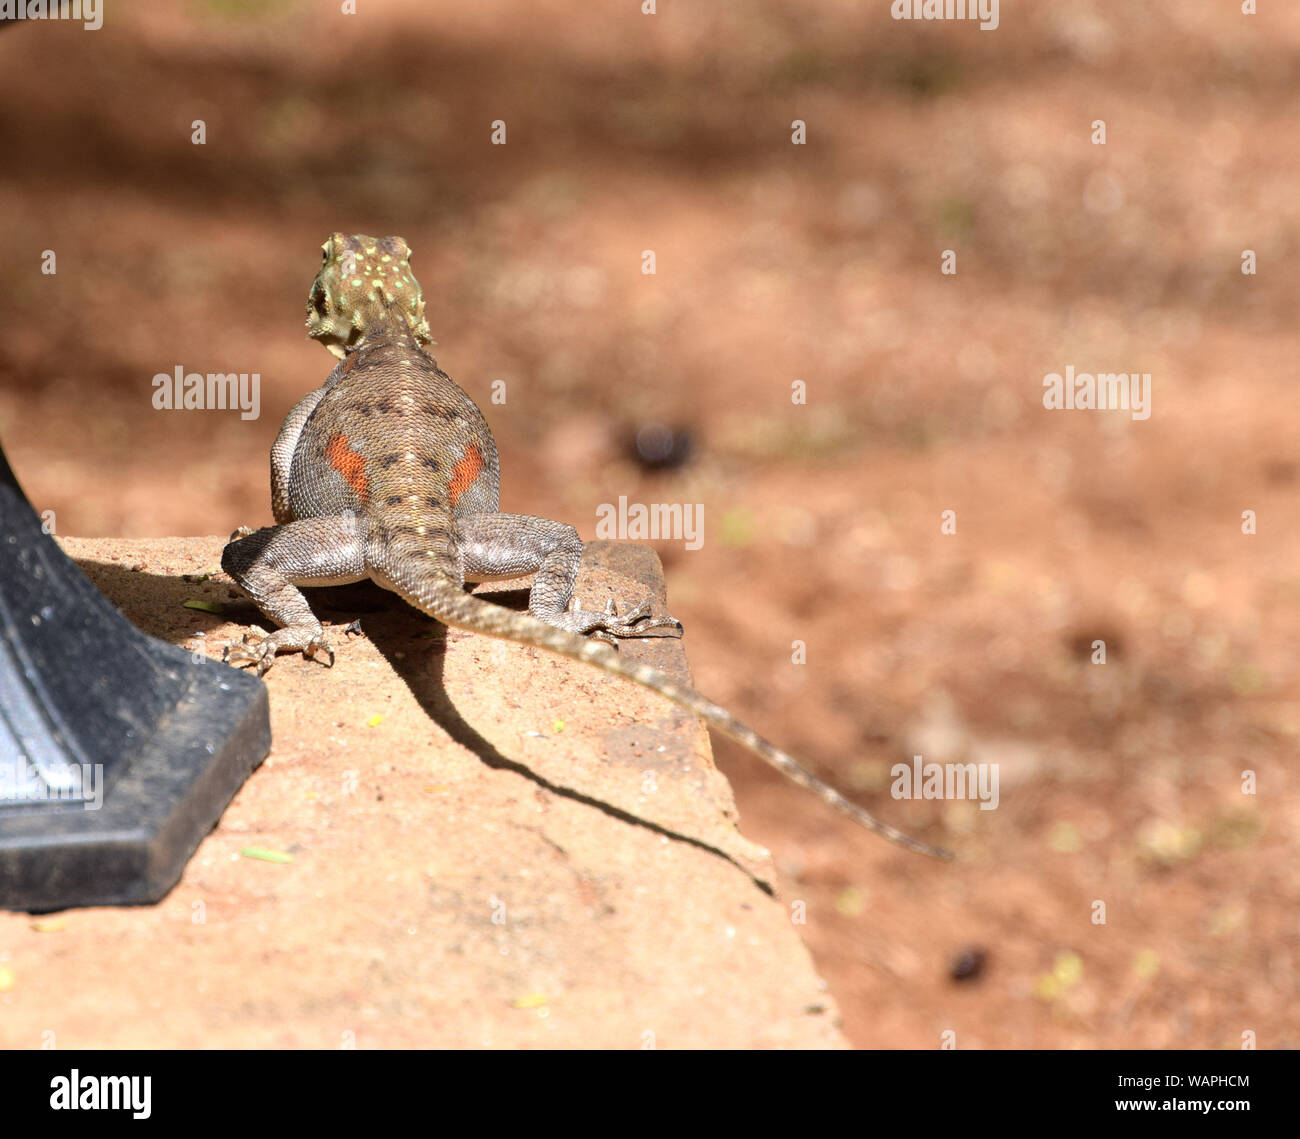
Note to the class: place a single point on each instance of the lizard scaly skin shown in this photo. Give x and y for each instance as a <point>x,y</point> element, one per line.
<point>389,472</point>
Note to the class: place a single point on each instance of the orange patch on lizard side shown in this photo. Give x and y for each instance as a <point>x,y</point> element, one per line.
<point>465,472</point>
<point>349,464</point>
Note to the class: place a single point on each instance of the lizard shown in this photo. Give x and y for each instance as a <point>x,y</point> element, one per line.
<point>389,471</point>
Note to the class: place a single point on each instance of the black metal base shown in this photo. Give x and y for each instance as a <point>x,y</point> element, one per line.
<point>118,752</point>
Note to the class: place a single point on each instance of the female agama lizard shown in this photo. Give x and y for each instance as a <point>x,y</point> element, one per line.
<point>390,472</point>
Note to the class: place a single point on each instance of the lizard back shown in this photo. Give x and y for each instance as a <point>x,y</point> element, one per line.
<point>393,438</point>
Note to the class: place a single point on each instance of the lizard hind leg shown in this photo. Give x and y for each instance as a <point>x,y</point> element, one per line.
<point>270,565</point>
<point>609,625</point>
<point>499,546</point>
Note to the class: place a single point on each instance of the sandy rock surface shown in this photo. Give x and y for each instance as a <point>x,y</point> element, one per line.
<point>490,847</point>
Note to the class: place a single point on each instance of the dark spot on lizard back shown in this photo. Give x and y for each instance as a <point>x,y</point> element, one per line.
<point>430,462</point>
<point>389,459</point>
<point>441,411</point>
<point>394,500</point>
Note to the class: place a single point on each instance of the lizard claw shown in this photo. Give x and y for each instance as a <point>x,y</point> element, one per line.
<point>259,653</point>
<point>300,638</point>
<point>608,625</point>
<point>639,620</point>
<point>318,644</point>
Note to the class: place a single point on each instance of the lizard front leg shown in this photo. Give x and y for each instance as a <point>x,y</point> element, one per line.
<point>498,546</point>
<point>270,564</point>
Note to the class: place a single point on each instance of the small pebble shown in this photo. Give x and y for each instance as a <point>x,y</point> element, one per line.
<point>657,446</point>
<point>967,964</point>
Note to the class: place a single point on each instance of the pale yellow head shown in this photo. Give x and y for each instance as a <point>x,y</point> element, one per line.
<point>362,281</point>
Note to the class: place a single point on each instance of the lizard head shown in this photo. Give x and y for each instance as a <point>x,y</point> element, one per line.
<point>359,279</point>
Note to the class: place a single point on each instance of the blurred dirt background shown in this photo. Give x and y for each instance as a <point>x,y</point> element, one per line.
<point>1120,783</point>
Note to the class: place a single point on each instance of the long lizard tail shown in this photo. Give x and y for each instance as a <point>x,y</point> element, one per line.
<point>441,597</point>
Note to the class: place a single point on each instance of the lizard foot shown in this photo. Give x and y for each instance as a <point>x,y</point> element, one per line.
<point>609,626</point>
<point>300,638</point>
